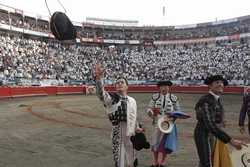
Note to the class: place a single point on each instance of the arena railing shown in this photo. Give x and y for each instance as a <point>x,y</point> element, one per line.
<point>13,92</point>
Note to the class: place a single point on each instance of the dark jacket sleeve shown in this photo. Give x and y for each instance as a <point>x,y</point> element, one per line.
<point>243,112</point>
<point>211,125</point>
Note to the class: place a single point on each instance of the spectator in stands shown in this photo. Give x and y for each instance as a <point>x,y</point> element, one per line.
<point>34,59</point>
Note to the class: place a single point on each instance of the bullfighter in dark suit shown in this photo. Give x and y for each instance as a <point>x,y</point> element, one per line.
<point>210,119</point>
<point>245,110</point>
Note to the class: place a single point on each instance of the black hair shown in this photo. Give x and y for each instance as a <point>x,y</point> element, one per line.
<point>125,79</point>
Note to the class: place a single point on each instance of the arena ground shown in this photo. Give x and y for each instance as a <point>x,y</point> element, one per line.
<point>73,131</point>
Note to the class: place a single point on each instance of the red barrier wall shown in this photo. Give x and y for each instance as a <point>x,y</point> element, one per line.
<point>7,92</point>
<point>27,91</point>
<point>71,90</point>
<point>50,90</point>
<point>178,89</point>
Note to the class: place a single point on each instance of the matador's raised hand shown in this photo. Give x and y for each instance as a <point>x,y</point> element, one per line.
<point>98,71</point>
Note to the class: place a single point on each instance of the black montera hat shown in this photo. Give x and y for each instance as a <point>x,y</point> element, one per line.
<point>61,27</point>
<point>166,83</point>
<point>213,78</point>
<point>139,141</point>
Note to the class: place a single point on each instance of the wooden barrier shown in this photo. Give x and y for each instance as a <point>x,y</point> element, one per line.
<point>5,92</point>
<point>176,89</point>
<point>62,90</point>
<point>27,91</point>
<point>8,92</point>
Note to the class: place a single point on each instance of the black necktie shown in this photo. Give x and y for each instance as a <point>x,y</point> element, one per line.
<point>219,102</point>
<point>164,102</point>
<point>221,109</point>
<point>124,104</point>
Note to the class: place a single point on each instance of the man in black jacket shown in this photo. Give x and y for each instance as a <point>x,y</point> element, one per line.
<point>245,110</point>
<point>210,115</point>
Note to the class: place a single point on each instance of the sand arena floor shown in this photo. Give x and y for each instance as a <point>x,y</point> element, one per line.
<point>73,131</point>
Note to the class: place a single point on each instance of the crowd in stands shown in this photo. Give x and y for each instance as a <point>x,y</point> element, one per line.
<point>40,59</point>
<point>26,22</point>
<point>203,30</point>
<point>167,33</point>
<point>36,59</point>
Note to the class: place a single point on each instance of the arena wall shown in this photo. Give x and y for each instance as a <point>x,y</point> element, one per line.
<point>177,89</point>
<point>12,92</point>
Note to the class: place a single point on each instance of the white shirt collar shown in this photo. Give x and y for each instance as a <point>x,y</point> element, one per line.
<point>215,96</point>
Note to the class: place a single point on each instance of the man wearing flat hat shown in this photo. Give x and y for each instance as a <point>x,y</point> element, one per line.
<point>160,104</point>
<point>210,117</point>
